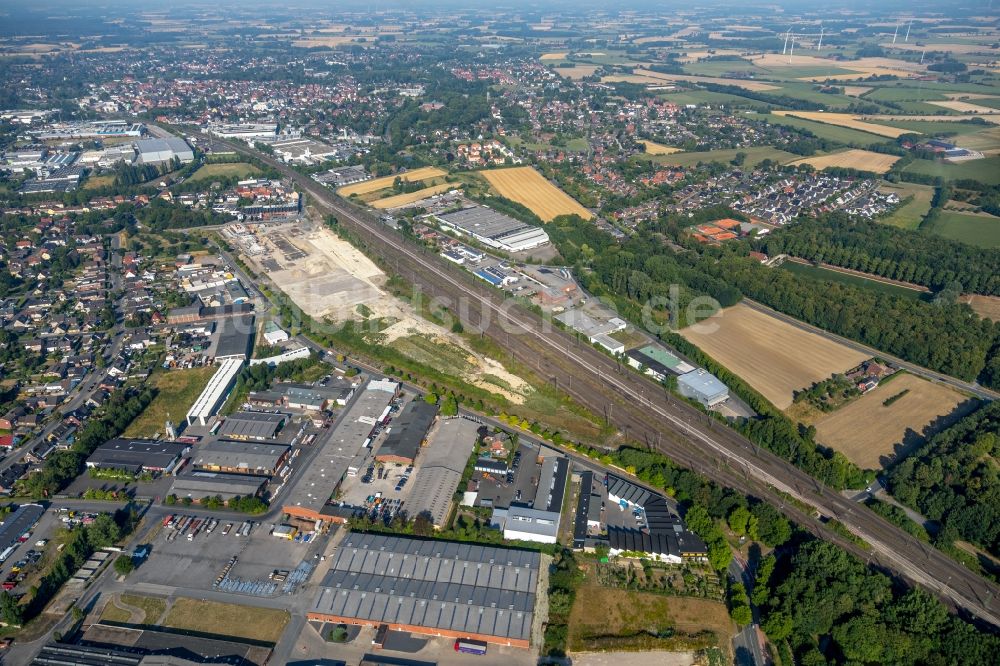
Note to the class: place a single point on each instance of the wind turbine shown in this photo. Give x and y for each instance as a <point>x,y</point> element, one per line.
<point>908,26</point>
<point>785,47</point>
<point>821,31</point>
<point>791,50</point>
<point>894,34</point>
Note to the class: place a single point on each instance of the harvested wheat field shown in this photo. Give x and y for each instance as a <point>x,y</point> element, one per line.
<point>576,72</point>
<point>872,434</point>
<point>410,197</point>
<point>855,91</point>
<point>985,306</point>
<point>376,184</point>
<point>965,107</point>
<point>847,120</point>
<point>529,188</point>
<point>654,148</point>
<point>553,56</point>
<point>862,160</point>
<point>774,357</point>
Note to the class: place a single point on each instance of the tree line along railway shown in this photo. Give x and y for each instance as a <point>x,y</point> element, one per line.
<point>646,414</point>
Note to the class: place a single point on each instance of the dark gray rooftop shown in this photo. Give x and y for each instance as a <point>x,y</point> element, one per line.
<point>235,337</point>
<point>252,425</point>
<point>435,584</point>
<point>18,523</point>
<point>409,430</point>
<point>137,454</point>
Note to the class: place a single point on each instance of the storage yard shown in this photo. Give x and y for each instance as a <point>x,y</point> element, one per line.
<point>774,357</point>
<point>528,187</point>
<point>873,435</point>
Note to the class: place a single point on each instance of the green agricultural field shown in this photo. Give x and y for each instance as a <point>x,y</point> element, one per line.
<point>903,94</point>
<point>720,67</point>
<point>176,391</point>
<point>985,170</point>
<point>238,169</point>
<point>807,92</point>
<point>755,155</point>
<point>932,127</point>
<point>710,97</point>
<point>844,135</point>
<point>819,273</point>
<point>978,230</point>
<point>911,213</point>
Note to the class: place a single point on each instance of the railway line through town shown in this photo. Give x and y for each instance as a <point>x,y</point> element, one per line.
<point>645,414</point>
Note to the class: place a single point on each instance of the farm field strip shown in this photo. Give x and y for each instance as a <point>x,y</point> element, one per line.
<point>529,188</point>
<point>871,434</point>
<point>654,148</point>
<point>739,83</point>
<point>846,120</point>
<point>376,184</point>
<point>774,357</point>
<point>862,160</point>
<point>409,197</point>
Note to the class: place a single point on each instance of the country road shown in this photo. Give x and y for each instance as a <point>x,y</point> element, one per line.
<point>648,415</point>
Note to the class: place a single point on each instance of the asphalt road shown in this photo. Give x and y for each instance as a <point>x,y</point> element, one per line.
<point>645,413</point>
<point>746,642</point>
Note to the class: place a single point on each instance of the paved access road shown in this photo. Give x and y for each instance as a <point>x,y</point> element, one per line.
<point>645,413</point>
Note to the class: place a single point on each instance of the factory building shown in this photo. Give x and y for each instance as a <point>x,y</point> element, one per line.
<point>704,387</point>
<point>138,455</point>
<point>248,458</point>
<point>438,588</point>
<point>157,151</point>
<point>493,229</point>
<point>215,392</point>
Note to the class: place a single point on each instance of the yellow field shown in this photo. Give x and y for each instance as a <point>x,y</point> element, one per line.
<point>985,306</point>
<point>855,91</point>
<point>965,107</point>
<point>376,184</point>
<point>526,186</point>
<point>654,148</point>
<point>774,357</point>
<point>863,160</point>
<point>576,72</point>
<point>408,198</point>
<point>848,120</point>
<point>871,434</point>
<point>553,56</point>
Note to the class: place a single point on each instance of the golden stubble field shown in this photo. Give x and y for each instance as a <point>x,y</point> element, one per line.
<point>848,120</point>
<point>376,184</point>
<point>653,148</point>
<point>409,197</point>
<point>871,434</point>
<point>774,357</point>
<point>529,188</point>
<point>863,160</point>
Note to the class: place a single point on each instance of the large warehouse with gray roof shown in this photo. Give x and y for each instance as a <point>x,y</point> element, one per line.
<point>460,590</point>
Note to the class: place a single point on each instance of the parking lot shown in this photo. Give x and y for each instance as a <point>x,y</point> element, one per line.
<point>494,491</point>
<point>225,558</point>
<point>28,557</point>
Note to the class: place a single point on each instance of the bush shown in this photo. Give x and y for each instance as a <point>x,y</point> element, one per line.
<point>124,565</point>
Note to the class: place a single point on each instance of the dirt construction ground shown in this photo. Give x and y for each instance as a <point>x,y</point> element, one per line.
<point>528,187</point>
<point>773,357</point>
<point>872,435</point>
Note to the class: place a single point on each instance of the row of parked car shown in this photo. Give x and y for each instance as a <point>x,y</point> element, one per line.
<point>19,571</point>
<point>192,526</point>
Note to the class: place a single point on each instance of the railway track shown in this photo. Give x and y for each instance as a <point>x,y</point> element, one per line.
<point>646,414</point>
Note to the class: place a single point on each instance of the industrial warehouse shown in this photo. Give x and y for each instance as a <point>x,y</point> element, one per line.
<point>137,455</point>
<point>459,590</point>
<point>493,229</point>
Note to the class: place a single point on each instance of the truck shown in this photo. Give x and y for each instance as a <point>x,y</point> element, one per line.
<point>244,527</point>
<point>246,530</point>
<point>470,646</point>
<point>7,553</point>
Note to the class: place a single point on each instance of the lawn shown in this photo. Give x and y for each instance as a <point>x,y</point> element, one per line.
<point>910,214</point>
<point>176,392</point>
<point>986,170</point>
<point>238,169</point>
<point>820,273</point>
<point>755,155</point>
<point>96,182</point>
<point>844,135</point>
<point>153,607</point>
<point>227,620</point>
<point>978,230</point>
